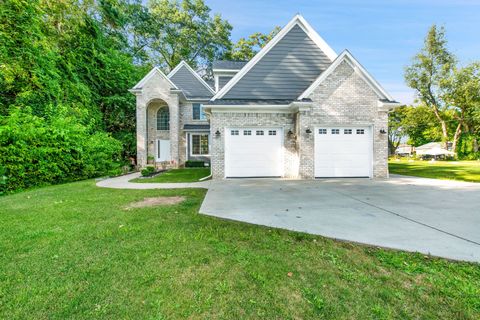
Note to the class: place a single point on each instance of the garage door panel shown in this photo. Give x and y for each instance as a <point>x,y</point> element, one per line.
<point>253,155</point>
<point>345,154</point>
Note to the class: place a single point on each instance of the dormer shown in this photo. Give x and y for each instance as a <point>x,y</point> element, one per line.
<point>224,70</point>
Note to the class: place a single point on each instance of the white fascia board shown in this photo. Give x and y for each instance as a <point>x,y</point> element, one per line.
<point>297,20</point>
<point>347,56</point>
<point>145,79</point>
<point>316,38</point>
<point>226,70</point>
<point>183,63</point>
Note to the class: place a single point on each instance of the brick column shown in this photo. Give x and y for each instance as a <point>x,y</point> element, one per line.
<point>306,145</point>
<point>141,131</point>
<point>174,110</point>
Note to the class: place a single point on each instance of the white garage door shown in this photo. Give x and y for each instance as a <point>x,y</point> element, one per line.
<point>253,152</point>
<point>343,152</point>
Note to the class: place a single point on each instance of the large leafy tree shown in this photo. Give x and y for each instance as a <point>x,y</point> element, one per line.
<point>247,48</point>
<point>428,73</point>
<point>450,92</point>
<point>421,125</point>
<point>183,30</point>
<point>396,128</point>
<point>463,94</point>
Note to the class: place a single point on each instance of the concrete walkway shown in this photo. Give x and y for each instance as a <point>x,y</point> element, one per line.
<point>436,217</point>
<point>122,182</point>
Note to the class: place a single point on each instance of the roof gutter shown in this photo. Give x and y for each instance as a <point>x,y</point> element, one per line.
<point>388,105</point>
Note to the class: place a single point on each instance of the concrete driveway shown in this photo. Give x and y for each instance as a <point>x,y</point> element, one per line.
<point>436,217</point>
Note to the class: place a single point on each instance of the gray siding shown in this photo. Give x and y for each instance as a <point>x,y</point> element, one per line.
<point>189,84</point>
<point>222,81</point>
<point>285,71</point>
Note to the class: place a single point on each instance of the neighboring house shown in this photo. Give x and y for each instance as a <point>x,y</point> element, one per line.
<point>404,150</point>
<point>296,110</point>
<point>434,149</point>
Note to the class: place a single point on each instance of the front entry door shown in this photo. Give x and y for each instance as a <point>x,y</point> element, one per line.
<point>163,150</point>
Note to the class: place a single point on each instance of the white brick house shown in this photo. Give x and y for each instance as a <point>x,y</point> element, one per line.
<point>296,110</point>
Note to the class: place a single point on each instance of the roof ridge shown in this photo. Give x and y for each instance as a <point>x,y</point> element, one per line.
<point>185,64</point>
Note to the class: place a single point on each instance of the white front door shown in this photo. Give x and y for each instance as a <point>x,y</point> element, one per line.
<point>343,151</point>
<point>253,152</point>
<point>163,150</point>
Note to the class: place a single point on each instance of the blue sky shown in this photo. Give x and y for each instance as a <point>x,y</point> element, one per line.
<point>382,34</point>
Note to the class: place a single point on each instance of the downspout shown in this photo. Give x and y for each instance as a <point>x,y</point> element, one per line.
<point>207,177</point>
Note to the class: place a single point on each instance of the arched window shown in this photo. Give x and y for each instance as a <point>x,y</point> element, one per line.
<point>163,119</point>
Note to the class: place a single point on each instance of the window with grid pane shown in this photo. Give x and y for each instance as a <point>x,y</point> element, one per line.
<point>163,119</point>
<point>198,113</point>
<point>199,144</point>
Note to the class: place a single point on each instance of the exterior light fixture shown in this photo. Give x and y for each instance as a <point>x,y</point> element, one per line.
<point>308,131</point>
<point>383,131</point>
<point>217,133</point>
<point>290,133</point>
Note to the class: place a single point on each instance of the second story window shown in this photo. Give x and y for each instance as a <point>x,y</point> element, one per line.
<point>198,113</point>
<point>163,119</point>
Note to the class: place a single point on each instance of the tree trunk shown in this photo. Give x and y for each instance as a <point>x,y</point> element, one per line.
<point>458,131</point>
<point>443,123</point>
<point>475,144</point>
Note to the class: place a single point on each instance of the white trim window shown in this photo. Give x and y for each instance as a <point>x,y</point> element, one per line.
<point>198,113</point>
<point>163,119</point>
<point>199,145</point>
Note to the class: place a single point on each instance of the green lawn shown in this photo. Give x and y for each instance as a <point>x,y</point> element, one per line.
<point>177,175</point>
<point>73,252</point>
<point>450,170</point>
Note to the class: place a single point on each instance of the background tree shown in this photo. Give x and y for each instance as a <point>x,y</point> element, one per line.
<point>185,30</point>
<point>428,73</point>
<point>396,128</point>
<point>463,94</point>
<point>247,48</point>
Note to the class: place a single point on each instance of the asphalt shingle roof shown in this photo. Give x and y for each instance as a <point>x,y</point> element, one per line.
<point>229,64</point>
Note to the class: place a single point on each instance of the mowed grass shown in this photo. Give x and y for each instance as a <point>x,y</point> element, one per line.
<point>73,252</point>
<point>447,170</point>
<point>177,175</point>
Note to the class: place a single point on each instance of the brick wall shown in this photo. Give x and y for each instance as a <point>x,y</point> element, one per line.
<point>344,98</point>
<point>251,120</point>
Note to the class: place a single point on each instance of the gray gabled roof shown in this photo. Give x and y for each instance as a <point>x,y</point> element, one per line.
<point>285,72</point>
<point>191,84</point>
<point>284,68</point>
<point>229,64</point>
